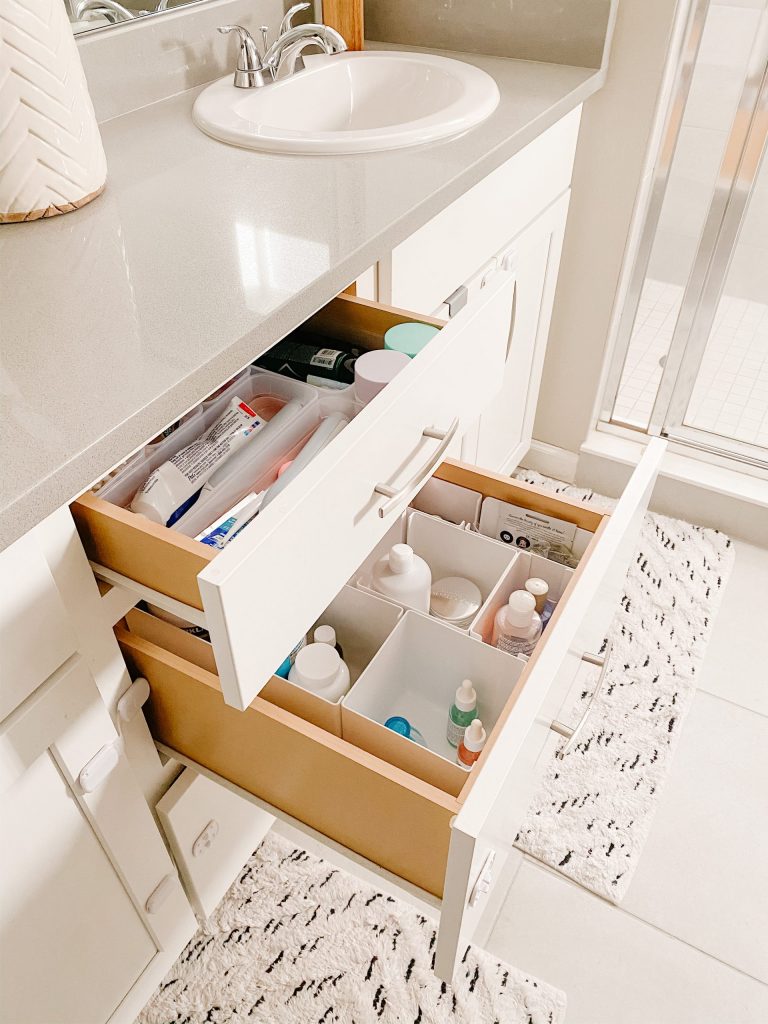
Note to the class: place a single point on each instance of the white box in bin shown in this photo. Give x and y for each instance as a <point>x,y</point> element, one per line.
<point>415,674</point>
<point>523,567</point>
<point>448,551</point>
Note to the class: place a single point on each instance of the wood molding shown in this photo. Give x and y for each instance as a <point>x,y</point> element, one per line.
<point>346,16</point>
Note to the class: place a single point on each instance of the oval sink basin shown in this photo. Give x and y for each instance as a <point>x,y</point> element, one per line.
<point>357,102</point>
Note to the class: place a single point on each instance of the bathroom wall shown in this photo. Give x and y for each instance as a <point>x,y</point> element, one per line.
<point>716,85</point>
<point>573,32</point>
<point>610,171</point>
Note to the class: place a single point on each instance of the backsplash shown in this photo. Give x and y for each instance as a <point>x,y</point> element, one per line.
<point>131,65</point>
<point>559,31</point>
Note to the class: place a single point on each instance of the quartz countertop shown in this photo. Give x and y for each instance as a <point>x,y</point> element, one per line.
<point>117,319</point>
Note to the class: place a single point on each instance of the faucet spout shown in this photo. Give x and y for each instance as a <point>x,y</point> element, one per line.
<point>284,53</point>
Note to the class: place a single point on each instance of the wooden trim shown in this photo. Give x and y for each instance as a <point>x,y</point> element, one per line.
<point>46,212</point>
<point>346,16</point>
<point>147,552</point>
<point>372,807</point>
<point>361,321</point>
<point>494,485</point>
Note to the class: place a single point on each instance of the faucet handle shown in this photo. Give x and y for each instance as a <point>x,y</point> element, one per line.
<point>287,22</point>
<point>250,68</point>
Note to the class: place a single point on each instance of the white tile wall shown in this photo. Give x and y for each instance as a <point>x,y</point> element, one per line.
<point>730,397</point>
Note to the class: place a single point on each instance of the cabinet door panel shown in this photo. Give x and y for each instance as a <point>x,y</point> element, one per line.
<point>71,940</point>
<point>78,865</point>
<point>506,425</point>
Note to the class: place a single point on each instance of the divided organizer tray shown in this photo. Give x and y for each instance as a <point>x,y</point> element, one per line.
<point>266,454</point>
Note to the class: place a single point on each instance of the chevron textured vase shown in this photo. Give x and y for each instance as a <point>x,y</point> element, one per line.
<point>51,157</point>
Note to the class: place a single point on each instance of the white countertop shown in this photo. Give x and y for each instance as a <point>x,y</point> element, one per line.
<point>198,256</point>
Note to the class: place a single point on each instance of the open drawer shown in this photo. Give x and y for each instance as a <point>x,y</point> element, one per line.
<point>263,591</point>
<point>451,844</point>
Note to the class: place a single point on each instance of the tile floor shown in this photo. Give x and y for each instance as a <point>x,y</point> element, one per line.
<point>689,945</point>
<point>730,396</point>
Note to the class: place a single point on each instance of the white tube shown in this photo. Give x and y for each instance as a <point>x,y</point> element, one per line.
<point>177,480</point>
<point>225,529</point>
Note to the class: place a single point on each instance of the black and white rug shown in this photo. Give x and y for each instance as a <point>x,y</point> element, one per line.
<point>591,816</point>
<point>298,941</point>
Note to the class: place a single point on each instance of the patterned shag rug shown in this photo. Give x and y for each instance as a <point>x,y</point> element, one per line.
<point>297,941</point>
<point>592,813</point>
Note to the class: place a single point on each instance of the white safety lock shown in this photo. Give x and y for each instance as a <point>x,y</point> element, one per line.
<point>509,261</point>
<point>133,700</point>
<point>160,894</point>
<point>206,838</point>
<point>98,768</point>
<point>484,879</point>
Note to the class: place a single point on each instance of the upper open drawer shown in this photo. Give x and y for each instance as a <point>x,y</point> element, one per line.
<point>263,591</point>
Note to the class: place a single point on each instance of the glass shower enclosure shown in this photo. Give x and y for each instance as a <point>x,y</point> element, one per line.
<point>691,358</point>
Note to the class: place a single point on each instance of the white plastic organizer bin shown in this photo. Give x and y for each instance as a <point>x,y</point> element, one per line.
<point>448,551</point>
<point>522,568</point>
<point>415,674</point>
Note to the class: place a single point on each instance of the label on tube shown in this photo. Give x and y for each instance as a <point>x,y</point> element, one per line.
<point>177,480</point>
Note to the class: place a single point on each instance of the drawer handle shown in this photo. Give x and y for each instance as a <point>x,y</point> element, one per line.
<point>512,322</point>
<point>572,735</point>
<point>396,496</point>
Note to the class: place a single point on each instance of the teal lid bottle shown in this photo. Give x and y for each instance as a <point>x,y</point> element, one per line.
<point>409,338</point>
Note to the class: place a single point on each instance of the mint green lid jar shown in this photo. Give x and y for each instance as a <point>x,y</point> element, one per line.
<point>409,338</point>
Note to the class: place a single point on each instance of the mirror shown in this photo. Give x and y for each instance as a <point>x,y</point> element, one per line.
<point>87,15</point>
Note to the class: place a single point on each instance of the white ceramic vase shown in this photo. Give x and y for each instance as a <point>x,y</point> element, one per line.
<point>51,157</point>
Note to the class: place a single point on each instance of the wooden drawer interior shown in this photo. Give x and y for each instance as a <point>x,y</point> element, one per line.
<point>368,803</point>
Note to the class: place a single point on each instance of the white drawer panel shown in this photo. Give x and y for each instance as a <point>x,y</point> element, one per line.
<point>502,789</point>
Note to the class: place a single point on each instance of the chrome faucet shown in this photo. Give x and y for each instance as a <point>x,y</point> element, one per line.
<point>110,9</point>
<point>254,70</point>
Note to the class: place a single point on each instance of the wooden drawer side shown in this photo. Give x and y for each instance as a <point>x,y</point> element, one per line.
<point>144,551</point>
<point>371,807</point>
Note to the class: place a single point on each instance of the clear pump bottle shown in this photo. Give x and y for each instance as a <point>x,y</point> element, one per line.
<point>517,626</point>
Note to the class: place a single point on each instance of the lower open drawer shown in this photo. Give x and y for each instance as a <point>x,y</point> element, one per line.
<point>448,841</point>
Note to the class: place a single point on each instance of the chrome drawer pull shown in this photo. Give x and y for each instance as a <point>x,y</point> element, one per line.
<point>396,496</point>
<point>572,735</point>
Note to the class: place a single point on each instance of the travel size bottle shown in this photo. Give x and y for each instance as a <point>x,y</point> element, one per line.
<point>517,626</point>
<point>461,713</point>
<point>540,590</point>
<point>471,746</point>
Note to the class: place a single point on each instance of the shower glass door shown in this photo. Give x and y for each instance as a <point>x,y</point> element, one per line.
<point>692,347</point>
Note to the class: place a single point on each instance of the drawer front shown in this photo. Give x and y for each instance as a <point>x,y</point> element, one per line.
<point>499,793</point>
<point>30,607</point>
<point>428,266</point>
<point>262,593</point>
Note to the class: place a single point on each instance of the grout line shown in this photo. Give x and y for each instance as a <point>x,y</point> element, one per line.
<point>726,700</point>
<point>648,924</point>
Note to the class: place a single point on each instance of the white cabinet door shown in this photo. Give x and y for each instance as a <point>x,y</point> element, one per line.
<point>88,894</point>
<point>506,426</point>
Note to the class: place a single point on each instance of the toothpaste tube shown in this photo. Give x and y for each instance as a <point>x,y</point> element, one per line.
<point>177,480</point>
<point>220,533</point>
